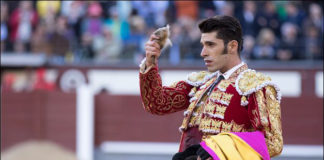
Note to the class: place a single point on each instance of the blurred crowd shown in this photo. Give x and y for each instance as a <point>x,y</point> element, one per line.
<point>111,31</point>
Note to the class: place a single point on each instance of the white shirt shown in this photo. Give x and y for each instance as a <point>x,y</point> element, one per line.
<point>228,73</point>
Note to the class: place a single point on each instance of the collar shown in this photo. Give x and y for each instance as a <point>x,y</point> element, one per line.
<point>228,73</point>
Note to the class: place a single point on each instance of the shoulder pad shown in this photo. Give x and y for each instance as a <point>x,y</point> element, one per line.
<point>250,81</point>
<point>198,78</point>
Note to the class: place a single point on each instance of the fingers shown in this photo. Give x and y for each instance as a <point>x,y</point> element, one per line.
<point>154,37</point>
<point>152,44</point>
<point>152,49</point>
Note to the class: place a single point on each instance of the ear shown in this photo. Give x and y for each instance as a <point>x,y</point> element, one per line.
<point>232,46</point>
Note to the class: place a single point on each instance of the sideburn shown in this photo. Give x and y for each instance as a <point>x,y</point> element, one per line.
<point>225,49</point>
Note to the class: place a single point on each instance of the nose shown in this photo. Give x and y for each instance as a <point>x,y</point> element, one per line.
<point>203,52</point>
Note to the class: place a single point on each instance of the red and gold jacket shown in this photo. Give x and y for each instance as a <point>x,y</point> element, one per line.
<point>246,101</point>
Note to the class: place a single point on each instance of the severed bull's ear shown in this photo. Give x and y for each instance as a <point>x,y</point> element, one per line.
<point>164,34</point>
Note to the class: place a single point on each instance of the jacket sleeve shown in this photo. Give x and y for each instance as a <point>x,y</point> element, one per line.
<point>265,115</point>
<point>160,100</point>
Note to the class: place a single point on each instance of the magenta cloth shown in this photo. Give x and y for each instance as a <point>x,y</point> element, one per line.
<point>211,152</point>
<point>256,141</point>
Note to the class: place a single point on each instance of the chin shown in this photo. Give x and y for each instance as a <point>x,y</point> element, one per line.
<point>211,70</point>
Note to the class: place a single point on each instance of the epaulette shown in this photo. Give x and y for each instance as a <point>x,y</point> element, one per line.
<point>197,79</point>
<point>250,81</point>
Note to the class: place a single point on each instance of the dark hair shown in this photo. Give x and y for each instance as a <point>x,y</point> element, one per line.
<point>229,28</point>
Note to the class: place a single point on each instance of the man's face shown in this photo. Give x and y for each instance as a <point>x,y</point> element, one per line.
<point>213,52</point>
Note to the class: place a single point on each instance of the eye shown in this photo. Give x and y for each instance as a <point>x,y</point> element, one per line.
<point>210,44</point>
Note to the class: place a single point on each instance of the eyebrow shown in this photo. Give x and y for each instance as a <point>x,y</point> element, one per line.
<point>210,42</point>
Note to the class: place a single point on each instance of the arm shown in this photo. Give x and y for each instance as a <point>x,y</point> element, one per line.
<point>265,115</point>
<point>158,99</point>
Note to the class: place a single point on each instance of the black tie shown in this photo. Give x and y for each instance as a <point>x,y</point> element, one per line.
<point>221,77</point>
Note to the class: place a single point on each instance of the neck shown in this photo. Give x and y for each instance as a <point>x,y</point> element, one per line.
<point>230,65</point>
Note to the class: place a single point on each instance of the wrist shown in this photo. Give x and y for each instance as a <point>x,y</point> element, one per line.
<point>150,62</point>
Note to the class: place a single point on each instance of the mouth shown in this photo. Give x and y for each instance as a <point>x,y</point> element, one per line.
<point>208,62</point>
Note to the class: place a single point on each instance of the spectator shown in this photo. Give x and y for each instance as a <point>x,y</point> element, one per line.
<point>91,27</point>
<point>47,11</point>
<point>4,25</point>
<point>269,18</point>
<point>145,10</point>
<point>206,9</point>
<point>133,45</point>
<point>316,16</point>
<point>176,38</point>
<point>313,43</point>
<point>86,51</point>
<point>294,14</point>
<point>59,40</point>
<point>92,23</point>
<point>39,40</point>
<point>190,45</point>
<point>170,13</point>
<point>74,11</point>
<point>159,12</point>
<point>123,9</point>
<point>219,5</point>
<point>131,23</point>
<point>22,21</point>
<point>290,47</point>
<point>119,27</point>
<point>266,45</point>
<point>248,47</point>
<point>313,31</point>
<point>47,8</point>
<point>247,19</point>
<point>107,48</point>
<point>227,9</point>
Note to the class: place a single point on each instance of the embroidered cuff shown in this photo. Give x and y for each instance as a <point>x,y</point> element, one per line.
<point>143,68</point>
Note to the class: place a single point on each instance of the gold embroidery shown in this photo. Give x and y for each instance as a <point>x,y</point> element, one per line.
<point>223,85</point>
<point>193,91</point>
<point>210,108</point>
<point>238,128</point>
<point>212,126</point>
<point>262,108</point>
<point>256,117</point>
<point>161,100</point>
<point>205,136</point>
<point>191,106</point>
<point>221,97</point>
<point>216,95</point>
<point>195,119</point>
<point>209,82</point>
<point>199,92</point>
<point>227,97</point>
<point>233,76</point>
<point>192,120</point>
<point>215,125</point>
<point>194,77</point>
<point>173,85</point>
<point>244,101</point>
<point>220,110</point>
<point>226,127</point>
<point>274,131</point>
<point>215,110</point>
<point>250,80</point>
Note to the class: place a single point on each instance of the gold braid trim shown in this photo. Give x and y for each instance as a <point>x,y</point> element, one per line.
<point>198,79</point>
<point>250,81</point>
<point>270,115</point>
